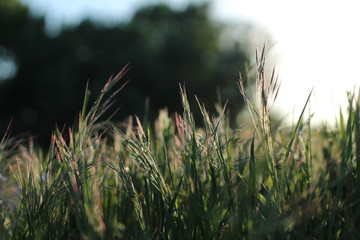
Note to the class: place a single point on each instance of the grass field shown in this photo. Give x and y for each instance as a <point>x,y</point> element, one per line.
<point>173,180</point>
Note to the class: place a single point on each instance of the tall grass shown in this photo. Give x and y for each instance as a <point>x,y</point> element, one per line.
<point>173,180</point>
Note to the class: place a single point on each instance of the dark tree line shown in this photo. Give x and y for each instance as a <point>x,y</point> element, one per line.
<point>164,46</point>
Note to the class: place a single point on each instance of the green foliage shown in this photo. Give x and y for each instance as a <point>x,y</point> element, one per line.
<point>174,180</point>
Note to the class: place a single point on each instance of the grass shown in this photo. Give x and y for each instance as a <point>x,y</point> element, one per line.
<point>173,180</point>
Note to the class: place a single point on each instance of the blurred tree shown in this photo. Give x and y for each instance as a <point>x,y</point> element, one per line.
<point>165,47</point>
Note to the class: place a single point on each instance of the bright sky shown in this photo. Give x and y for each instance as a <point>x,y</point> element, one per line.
<point>317,42</point>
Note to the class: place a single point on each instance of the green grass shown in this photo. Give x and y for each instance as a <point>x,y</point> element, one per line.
<point>173,180</point>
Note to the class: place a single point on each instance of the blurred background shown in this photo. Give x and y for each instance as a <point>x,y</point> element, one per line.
<point>49,50</point>
<point>45,65</point>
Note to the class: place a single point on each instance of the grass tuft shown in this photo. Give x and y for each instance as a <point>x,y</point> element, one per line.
<point>174,180</point>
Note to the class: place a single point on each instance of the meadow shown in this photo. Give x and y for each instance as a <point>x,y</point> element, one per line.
<point>175,180</point>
